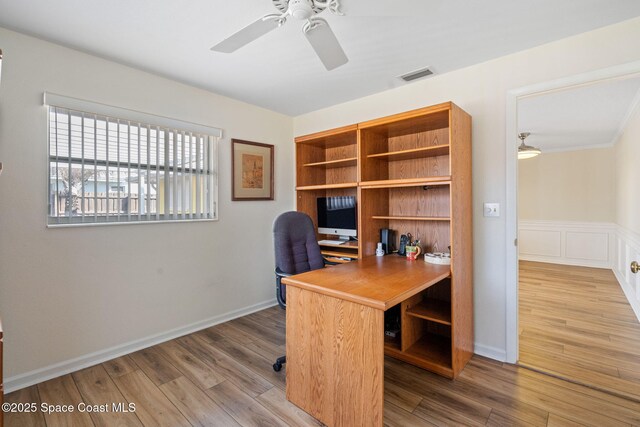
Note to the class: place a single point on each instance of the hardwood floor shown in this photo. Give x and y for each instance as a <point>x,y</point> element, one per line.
<point>576,323</point>
<point>222,376</point>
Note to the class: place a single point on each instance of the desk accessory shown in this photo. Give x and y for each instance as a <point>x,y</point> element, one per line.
<point>404,241</point>
<point>440,258</point>
<point>388,239</point>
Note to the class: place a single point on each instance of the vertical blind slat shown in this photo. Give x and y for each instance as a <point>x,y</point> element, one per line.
<point>198,185</point>
<point>128,199</point>
<point>183,174</point>
<point>82,181</point>
<point>69,201</point>
<point>95,169</point>
<point>106,138</point>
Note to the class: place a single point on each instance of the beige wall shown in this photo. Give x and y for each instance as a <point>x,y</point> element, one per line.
<point>482,90</point>
<point>568,186</point>
<point>66,293</point>
<point>628,175</point>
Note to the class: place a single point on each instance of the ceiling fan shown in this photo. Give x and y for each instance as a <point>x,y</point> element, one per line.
<point>317,30</point>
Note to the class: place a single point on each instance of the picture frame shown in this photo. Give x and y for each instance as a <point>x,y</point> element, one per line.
<point>252,170</point>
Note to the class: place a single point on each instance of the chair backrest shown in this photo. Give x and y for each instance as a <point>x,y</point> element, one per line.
<point>295,242</point>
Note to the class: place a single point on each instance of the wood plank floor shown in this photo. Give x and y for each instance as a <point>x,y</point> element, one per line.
<point>576,323</point>
<point>222,376</point>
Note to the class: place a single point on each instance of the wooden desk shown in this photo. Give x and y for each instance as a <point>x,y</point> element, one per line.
<point>335,334</point>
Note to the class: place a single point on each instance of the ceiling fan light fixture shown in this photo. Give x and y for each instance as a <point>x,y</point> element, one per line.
<point>526,151</point>
<point>300,9</point>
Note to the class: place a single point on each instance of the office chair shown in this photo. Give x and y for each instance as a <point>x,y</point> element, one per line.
<point>297,251</point>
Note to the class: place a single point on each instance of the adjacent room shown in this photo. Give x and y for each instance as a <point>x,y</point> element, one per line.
<point>575,320</point>
<point>312,212</point>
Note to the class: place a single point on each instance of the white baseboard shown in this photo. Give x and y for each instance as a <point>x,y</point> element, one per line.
<point>565,261</point>
<point>495,353</point>
<point>629,293</point>
<point>43,374</point>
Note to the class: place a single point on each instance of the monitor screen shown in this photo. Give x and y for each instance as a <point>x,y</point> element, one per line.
<point>337,215</point>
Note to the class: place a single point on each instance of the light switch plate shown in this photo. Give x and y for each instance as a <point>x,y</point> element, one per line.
<point>492,209</point>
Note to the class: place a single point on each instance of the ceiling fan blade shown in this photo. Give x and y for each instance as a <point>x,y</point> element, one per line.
<point>249,33</point>
<point>325,43</point>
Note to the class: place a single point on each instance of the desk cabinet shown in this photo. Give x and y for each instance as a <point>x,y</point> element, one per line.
<point>410,172</point>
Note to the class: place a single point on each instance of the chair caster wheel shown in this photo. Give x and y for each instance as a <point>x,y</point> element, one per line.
<point>277,366</point>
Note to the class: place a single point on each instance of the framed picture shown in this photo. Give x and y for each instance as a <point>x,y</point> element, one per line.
<point>251,170</point>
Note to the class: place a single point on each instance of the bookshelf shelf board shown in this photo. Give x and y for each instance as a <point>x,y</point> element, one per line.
<point>412,218</point>
<point>416,153</point>
<point>432,310</point>
<point>327,186</point>
<point>341,163</point>
<point>410,182</point>
<point>339,254</point>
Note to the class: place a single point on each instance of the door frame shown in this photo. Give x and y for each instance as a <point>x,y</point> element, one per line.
<point>631,69</point>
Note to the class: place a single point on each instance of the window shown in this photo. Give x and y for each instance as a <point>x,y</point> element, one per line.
<point>107,168</point>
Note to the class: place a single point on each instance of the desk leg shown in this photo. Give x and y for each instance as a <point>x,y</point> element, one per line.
<point>335,359</point>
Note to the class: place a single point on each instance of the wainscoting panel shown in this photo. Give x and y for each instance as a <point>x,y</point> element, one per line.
<point>587,244</point>
<point>628,245</point>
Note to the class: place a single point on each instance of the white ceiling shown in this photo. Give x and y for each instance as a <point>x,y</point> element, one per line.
<point>586,116</point>
<point>382,38</point>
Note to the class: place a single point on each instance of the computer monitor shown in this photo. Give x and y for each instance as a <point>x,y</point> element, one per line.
<point>337,216</point>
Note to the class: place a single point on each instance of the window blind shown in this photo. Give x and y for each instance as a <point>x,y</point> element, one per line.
<point>106,169</point>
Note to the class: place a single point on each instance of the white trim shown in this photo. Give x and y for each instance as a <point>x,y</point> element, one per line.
<point>36,376</point>
<point>56,100</point>
<point>490,352</point>
<point>511,232</point>
<point>621,268</point>
<point>511,214</point>
<point>628,292</point>
<point>625,121</point>
<point>576,148</point>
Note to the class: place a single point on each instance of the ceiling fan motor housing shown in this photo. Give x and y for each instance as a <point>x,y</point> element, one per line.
<point>301,9</point>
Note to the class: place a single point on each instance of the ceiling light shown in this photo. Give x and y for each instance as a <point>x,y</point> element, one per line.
<point>526,151</point>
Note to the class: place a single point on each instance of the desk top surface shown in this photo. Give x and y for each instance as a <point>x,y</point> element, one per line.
<point>378,282</point>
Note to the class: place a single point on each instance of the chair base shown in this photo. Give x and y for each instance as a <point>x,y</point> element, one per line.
<point>279,361</point>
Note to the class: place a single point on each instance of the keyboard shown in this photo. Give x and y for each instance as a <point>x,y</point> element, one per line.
<point>331,242</point>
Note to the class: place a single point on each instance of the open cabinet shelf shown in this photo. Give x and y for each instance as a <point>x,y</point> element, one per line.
<point>412,218</point>
<point>433,310</point>
<point>340,163</point>
<point>415,153</point>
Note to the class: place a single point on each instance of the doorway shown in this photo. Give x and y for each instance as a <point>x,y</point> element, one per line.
<point>568,233</point>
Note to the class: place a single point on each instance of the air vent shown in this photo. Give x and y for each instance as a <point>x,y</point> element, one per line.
<point>418,74</point>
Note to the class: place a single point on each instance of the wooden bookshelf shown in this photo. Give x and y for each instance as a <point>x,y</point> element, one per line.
<point>410,172</point>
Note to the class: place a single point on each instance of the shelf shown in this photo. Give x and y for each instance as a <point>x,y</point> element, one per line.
<point>341,163</point>
<point>332,138</point>
<point>432,310</point>
<point>411,182</point>
<point>327,186</point>
<point>351,245</point>
<point>412,218</point>
<point>392,343</point>
<point>433,348</point>
<point>339,254</point>
<point>336,260</point>
<point>416,153</point>
<point>432,352</point>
